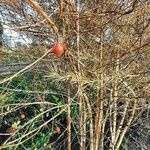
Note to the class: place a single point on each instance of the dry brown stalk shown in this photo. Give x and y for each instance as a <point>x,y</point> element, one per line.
<point>68,119</point>
<point>40,10</point>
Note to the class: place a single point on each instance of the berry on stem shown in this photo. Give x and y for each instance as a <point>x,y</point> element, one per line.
<point>57,130</point>
<point>22,116</point>
<point>58,49</point>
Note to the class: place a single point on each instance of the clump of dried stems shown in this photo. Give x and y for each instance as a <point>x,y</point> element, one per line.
<point>105,70</point>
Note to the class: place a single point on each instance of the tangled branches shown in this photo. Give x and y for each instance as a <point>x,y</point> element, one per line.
<point>104,73</point>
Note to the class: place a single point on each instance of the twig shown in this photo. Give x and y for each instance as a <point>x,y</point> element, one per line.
<point>40,10</point>
<point>24,69</point>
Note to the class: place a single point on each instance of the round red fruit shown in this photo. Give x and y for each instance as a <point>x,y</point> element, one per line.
<point>22,116</point>
<point>11,130</point>
<point>58,49</point>
<point>57,130</point>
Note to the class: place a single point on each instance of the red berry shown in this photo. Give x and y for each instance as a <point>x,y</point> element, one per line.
<point>57,130</point>
<point>22,116</point>
<point>11,130</point>
<point>58,49</point>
